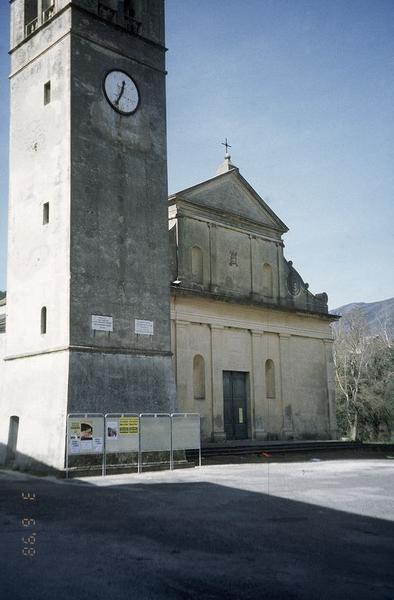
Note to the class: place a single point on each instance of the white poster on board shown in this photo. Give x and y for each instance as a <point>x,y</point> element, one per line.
<point>143,327</point>
<point>74,447</point>
<point>112,430</point>
<point>98,444</point>
<point>102,323</point>
<point>86,445</point>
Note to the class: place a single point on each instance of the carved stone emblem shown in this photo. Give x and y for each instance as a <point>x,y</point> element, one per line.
<point>233,262</point>
<point>293,284</point>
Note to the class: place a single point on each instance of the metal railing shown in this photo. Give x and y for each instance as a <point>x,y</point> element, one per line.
<point>34,24</point>
<point>31,27</point>
<point>48,13</point>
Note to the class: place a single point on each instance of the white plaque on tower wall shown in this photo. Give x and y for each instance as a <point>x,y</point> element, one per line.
<point>102,323</point>
<point>143,327</point>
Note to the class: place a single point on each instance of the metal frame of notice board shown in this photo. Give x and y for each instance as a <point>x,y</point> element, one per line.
<point>123,432</point>
<point>191,436</point>
<point>90,440</point>
<point>131,432</point>
<point>152,443</point>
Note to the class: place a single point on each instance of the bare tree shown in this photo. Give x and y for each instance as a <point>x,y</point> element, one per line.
<point>386,329</point>
<point>364,367</point>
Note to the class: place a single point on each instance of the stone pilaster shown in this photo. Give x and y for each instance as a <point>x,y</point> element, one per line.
<point>278,283</point>
<point>286,380</point>
<point>184,268</point>
<point>218,433</point>
<point>213,257</point>
<point>254,268</point>
<point>257,388</point>
<point>184,367</point>
<point>332,417</point>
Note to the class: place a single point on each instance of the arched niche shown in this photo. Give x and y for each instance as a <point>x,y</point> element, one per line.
<point>198,377</point>
<point>197,265</point>
<point>268,280</point>
<point>270,378</point>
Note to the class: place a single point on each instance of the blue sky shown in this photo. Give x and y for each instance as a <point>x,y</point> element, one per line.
<point>304,90</point>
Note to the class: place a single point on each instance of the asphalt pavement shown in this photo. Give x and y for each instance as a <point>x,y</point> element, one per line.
<point>306,530</point>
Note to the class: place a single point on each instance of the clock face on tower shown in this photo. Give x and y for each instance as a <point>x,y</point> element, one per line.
<point>121,92</point>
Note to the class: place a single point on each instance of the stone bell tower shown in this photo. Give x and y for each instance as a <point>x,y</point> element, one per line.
<point>88,323</point>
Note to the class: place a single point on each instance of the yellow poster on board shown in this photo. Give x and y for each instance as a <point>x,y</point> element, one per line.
<point>128,425</point>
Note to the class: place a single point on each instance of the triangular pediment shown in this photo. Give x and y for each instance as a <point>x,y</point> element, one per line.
<point>231,194</point>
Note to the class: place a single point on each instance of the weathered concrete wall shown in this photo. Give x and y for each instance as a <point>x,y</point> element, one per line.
<point>149,13</point>
<point>119,237</point>
<point>232,337</point>
<point>120,383</point>
<point>119,240</point>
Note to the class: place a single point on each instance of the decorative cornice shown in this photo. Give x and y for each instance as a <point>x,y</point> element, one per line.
<point>248,301</point>
<point>215,217</point>
<point>81,9</point>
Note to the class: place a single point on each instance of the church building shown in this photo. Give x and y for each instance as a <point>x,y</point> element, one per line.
<point>252,346</point>
<point>108,312</point>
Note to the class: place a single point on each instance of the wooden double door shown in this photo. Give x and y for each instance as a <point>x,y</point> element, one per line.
<point>235,405</point>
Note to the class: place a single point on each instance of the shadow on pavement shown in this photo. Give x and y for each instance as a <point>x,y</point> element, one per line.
<point>186,541</point>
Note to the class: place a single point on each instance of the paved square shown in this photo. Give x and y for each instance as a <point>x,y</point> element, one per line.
<point>310,530</point>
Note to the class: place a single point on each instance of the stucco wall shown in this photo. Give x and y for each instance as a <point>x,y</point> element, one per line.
<point>40,402</point>
<point>232,337</point>
<point>38,254</point>
<point>240,239</point>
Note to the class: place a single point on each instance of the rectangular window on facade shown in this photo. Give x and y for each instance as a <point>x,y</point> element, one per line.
<point>45,213</point>
<point>47,92</point>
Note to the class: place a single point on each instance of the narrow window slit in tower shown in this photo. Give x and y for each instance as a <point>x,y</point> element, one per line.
<point>45,213</point>
<point>44,319</point>
<point>47,92</point>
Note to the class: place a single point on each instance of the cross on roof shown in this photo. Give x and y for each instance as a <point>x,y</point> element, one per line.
<point>227,145</point>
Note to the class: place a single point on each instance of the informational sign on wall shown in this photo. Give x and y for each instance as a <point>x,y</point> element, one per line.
<point>102,323</point>
<point>143,327</point>
<point>128,425</point>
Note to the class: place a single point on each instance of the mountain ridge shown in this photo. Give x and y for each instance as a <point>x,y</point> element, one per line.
<point>378,315</point>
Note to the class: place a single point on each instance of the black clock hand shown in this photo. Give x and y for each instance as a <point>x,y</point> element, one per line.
<point>121,93</point>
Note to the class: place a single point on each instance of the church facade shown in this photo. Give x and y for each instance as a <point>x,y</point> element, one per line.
<point>252,346</point>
